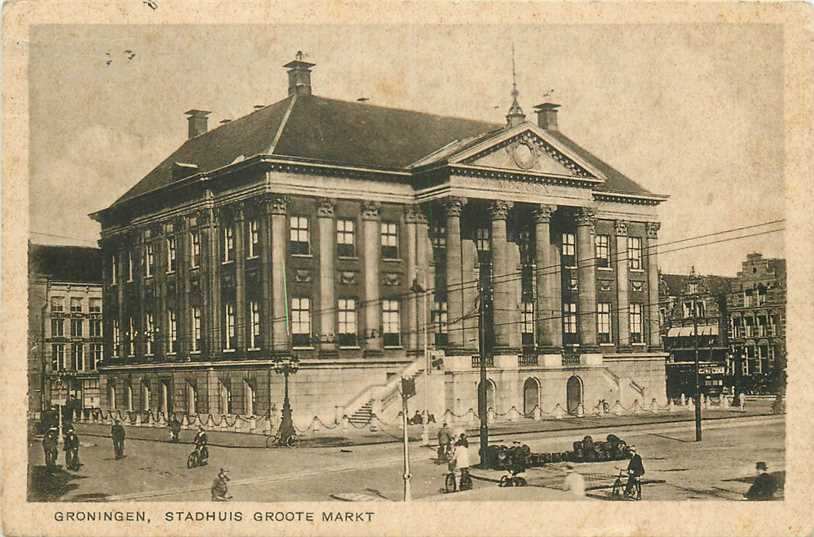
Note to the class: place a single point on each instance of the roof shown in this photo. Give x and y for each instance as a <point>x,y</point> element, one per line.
<point>66,263</point>
<point>345,133</point>
<point>717,285</point>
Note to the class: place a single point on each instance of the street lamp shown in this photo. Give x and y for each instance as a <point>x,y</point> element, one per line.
<point>285,366</point>
<point>425,434</point>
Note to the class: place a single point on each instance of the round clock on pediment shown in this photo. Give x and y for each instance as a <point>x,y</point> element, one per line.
<point>524,155</point>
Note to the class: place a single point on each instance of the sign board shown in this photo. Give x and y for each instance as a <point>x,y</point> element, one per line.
<point>711,370</point>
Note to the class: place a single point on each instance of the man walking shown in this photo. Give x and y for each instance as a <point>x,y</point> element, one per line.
<point>764,485</point>
<point>71,447</point>
<point>50,447</point>
<point>117,432</point>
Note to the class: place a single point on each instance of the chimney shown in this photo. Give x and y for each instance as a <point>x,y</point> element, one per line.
<point>547,116</point>
<point>299,76</point>
<point>197,122</point>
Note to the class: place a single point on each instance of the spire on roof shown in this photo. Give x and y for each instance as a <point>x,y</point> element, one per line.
<point>515,115</point>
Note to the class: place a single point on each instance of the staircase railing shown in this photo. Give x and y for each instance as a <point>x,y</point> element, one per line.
<point>381,391</point>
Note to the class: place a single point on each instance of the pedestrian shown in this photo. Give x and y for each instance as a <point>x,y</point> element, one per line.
<point>175,429</point>
<point>117,433</point>
<point>417,419</point>
<point>574,482</point>
<point>764,486</point>
<point>71,448</point>
<point>635,470</point>
<point>444,443</point>
<point>201,441</point>
<point>219,488</point>
<point>461,455</point>
<point>50,446</point>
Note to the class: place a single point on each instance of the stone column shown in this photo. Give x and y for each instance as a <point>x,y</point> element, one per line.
<point>653,285</point>
<point>327,274</point>
<point>279,246</point>
<point>213,265</point>
<point>371,245</point>
<point>548,308</point>
<point>502,273</point>
<point>454,276</point>
<point>423,253</point>
<point>586,274</point>
<point>266,272</point>
<point>622,284</point>
<point>240,277</point>
<point>413,299</point>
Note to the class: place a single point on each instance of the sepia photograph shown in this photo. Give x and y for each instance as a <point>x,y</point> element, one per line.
<point>375,263</point>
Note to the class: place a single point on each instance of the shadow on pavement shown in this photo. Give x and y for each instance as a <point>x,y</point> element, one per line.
<point>51,484</point>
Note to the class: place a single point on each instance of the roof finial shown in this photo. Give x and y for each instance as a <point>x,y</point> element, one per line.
<point>515,115</point>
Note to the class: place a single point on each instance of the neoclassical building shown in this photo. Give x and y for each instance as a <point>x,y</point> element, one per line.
<point>346,234</point>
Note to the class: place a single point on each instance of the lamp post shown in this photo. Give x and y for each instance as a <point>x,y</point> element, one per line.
<point>425,434</point>
<point>286,366</point>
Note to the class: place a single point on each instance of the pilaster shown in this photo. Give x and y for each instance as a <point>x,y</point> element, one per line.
<point>586,274</point>
<point>371,244</point>
<point>327,274</point>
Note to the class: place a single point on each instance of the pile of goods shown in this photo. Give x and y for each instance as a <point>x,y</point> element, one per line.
<point>586,450</point>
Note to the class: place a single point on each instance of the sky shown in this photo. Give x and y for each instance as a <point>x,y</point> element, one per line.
<point>692,111</point>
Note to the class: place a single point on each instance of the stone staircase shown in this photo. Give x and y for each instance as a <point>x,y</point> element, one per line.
<point>364,404</point>
<point>362,415</point>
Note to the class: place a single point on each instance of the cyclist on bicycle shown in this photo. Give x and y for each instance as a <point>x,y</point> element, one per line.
<point>200,442</point>
<point>461,455</point>
<point>635,470</point>
<point>444,442</point>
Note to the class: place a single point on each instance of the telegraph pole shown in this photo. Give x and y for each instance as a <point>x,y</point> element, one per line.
<point>407,391</point>
<point>482,405</point>
<point>697,376</point>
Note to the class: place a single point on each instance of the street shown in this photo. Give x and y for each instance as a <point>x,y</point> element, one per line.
<point>720,467</point>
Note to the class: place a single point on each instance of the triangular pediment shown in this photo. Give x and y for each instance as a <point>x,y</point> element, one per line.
<point>525,148</point>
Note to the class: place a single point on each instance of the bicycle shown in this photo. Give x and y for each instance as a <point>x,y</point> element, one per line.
<point>198,457</point>
<point>453,485</point>
<point>515,477</point>
<point>619,492</point>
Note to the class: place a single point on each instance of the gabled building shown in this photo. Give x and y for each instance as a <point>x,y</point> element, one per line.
<point>311,228</point>
<point>64,327</point>
<point>694,314</point>
<point>757,330</point>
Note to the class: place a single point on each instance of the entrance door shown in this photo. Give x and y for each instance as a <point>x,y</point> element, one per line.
<point>531,395</point>
<point>573,391</point>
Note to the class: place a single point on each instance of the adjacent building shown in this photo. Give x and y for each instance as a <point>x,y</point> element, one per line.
<point>695,316</point>
<point>757,324</point>
<point>65,331</point>
<point>344,233</point>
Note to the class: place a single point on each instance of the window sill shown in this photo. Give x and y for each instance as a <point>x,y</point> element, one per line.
<point>636,270</point>
<point>253,349</point>
<point>348,257</point>
<point>353,348</point>
<point>170,272</point>
<point>607,344</point>
<point>195,352</point>
<point>610,269</point>
<point>303,256</point>
<point>229,350</point>
<point>252,257</point>
<point>393,348</point>
<point>391,259</point>
<point>302,348</point>
<point>227,262</point>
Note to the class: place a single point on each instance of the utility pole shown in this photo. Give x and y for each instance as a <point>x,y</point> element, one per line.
<point>425,433</point>
<point>407,391</point>
<point>697,377</point>
<point>482,404</point>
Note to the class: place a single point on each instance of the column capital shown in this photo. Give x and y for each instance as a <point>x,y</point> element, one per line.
<point>276,204</point>
<point>585,216</point>
<point>414,214</point>
<point>238,212</point>
<point>652,229</point>
<point>499,209</point>
<point>453,205</point>
<point>621,228</point>
<point>370,210</point>
<point>325,208</point>
<point>543,213</point>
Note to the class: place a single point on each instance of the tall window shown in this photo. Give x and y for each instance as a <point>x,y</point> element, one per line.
<point>95,305</point>
<point>635,323</point>
<point>569,323</point>
<point>58,356</point>
<point>149,334</point>
<point>344,238</point>
<point>76,305</point>
<point>95,327</point>
<point>196,329</point>
<point>390,323</point>
<point>747,298</point>
<point>173,340</point>
<point>114,269</point>
<point>634,253</point>
<point>129,394</point>
<point>254,237</point>
<point>254,315</point>
<point>602,243</point>
<point>78,355</point>
<point>603,322</point>
<point>57,327</point>
<point>439,321</point>
<point>438,235</point>
<point>76,327</point>
<point>131,337</point>
<point>57,304</point>
<point>195,247</point>
<point>482,235</point>
<point>527,324</point>
<point>95,355</point>
<point>390,240</point>
<point>230,327</point>
<point>171,254</point>
<point>299,242</point>
<point>117,337</point>
<point>301,322</point>
<point>150,261</point>
<point>228,243</point>
<point>761,295</point>
<point>569,249</point>
<point>129,266</point>
<point>346,322</point>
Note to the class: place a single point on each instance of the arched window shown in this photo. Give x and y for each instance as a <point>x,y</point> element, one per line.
<point>531,395</point>
<point>129,398</point>
<point>249,398</point>
<point>111,396</point>
<point>145,395</point>
<point>192,399</point>
<point>573,393</point>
